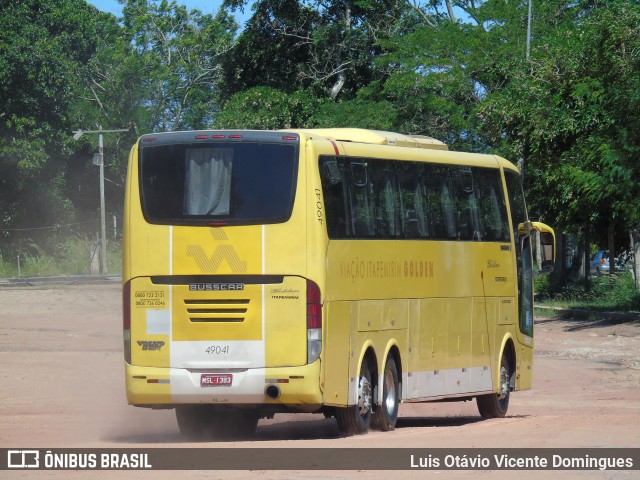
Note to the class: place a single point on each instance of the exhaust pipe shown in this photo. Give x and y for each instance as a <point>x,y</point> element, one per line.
<point>272,391</point>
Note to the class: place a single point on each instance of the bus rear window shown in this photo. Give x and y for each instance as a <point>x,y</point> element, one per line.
<point>226,183</point>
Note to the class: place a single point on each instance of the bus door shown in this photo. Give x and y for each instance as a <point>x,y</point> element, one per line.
<point>524,266</point>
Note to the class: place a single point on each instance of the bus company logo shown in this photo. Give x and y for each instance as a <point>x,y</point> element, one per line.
<point>215,287</point>
<point>224,252</point>
<point>23,459</point>
<point>150,345</point>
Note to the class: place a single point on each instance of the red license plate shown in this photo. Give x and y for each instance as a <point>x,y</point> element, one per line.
<point>216,379</point>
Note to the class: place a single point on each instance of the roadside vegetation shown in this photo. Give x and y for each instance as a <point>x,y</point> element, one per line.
<point>611,293</point>
<point>60,256</point>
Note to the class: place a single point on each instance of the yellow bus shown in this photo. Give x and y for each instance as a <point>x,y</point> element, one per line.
<point>337,271</point>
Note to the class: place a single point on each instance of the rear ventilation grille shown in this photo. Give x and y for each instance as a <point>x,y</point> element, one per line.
<point>217,311</point>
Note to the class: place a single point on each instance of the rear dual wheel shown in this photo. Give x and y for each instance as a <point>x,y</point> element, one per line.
<point>356,419</point>
<point>386,414</point>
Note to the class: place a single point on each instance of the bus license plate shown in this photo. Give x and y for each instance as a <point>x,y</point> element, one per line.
<point>216,379</point>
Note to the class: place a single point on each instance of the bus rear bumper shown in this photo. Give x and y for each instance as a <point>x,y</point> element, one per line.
<point>293,387</point>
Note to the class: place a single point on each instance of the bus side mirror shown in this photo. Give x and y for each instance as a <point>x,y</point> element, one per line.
<point>547,246</point>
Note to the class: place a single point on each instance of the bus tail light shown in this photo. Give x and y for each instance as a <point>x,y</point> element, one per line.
<point>314,322</point>
<point>126,321</point>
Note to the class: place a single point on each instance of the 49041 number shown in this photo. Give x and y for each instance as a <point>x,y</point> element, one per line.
<point>217,349</point>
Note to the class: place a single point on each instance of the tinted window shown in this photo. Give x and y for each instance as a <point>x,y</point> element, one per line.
<point>238,183</point>
<point>387,200</point>
<point>516,199</point>
<point>372,198</point>
<point>523,252</point>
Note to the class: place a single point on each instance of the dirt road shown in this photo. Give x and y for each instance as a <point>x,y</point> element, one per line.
<point>61,385</point>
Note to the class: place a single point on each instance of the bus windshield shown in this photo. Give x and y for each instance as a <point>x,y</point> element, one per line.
<point>226,183</point>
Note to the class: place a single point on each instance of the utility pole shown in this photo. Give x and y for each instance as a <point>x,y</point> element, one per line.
<point>98,159</point>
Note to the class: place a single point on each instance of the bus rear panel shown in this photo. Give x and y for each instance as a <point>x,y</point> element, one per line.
<point>218,308</point>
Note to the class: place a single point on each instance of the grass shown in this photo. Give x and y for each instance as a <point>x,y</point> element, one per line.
<point>612,293</point>
<point>64,257</point>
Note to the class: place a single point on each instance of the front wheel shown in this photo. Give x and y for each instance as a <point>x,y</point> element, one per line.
<point>386,414</point>
<point>356,419</point>
<point>496,405</point>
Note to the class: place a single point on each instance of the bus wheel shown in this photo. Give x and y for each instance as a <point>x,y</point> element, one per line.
<point>386,414</point>
<point>244,422</point>
<point>496,405</point>
<point>193,421</point>
<point>202,422</point>
<point>355,419</point>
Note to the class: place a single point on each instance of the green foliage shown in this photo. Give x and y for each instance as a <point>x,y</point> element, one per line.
<point>62,255</point>
<point>326,47</point>
<point>569,115</point>
<point>64,66</point>
<point>267,108</point>
<point>608,292</point>
<point>264,55</point>
<point>43,46</point>
<point>176,57</point>
<point>357,113</point>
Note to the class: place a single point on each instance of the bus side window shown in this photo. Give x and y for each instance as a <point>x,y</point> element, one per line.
<point>448,206</point>
<point>360,201</point>
<point>467,205</point>
<point>335,191</point>
<point>414,208</point>
<point>493,209</point>
<point>439,202</point>
<point>387,205</point>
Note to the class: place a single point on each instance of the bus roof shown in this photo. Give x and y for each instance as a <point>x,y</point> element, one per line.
<point>376,137</point>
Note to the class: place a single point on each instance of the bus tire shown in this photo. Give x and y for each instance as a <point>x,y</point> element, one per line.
<point>386,414</point>
<point>232,424</point>
<point>193,421</point>
<point>356,419</point>
<point>495,405</point>
<point>203,422</point>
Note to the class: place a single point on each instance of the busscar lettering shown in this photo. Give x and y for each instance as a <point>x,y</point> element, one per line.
<point>212,287</point>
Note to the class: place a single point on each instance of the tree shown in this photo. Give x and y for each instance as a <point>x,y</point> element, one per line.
<point>177,58</point>
<point>44,45</point>
<point>156,69</point>
<point>572,115</point>
<point>324,46</point>
<point>266,108</point>
<point>271,51</point>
